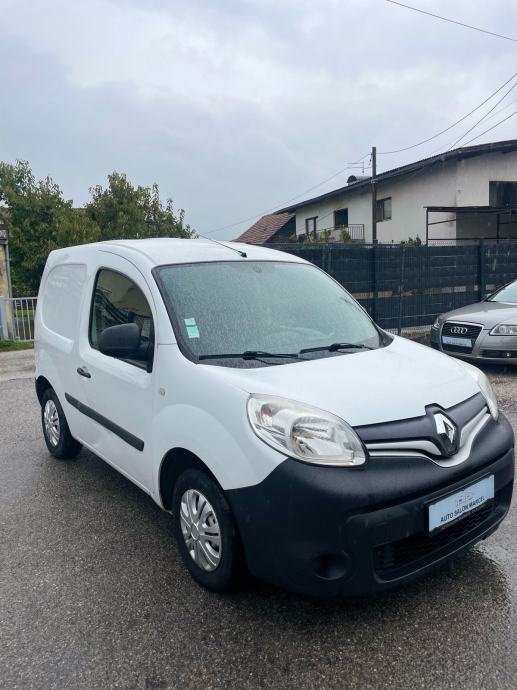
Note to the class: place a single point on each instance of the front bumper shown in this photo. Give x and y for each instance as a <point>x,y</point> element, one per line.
<point>328,531</point>
<point>495,349</point>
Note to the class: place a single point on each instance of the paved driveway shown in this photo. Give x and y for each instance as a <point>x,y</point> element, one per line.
<point>18,364</point>
<point>93,595</point>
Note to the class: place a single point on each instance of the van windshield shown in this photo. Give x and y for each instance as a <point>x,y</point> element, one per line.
<point>252,309</point>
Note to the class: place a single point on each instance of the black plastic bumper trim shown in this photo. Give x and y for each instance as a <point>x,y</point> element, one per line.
<point>126,436</point>
<point>315,530</point>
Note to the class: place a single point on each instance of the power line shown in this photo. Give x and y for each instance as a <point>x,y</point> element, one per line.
<point>453,21</point>
<point>491,117</point>
<point>437,152</point>
<point>287,201</point>
<point>484,116</point>
<point>491,128</point>
<point>451,144</point>
<point>435,136</point>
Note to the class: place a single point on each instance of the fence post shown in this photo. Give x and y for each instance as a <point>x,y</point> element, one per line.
<point>401,287</point>
<point>4,333</point>
<point>481,269</point>
<point>328,267</point>
<point>374,281</point>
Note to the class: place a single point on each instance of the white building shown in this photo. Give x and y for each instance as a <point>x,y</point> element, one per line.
<point>466,193</point>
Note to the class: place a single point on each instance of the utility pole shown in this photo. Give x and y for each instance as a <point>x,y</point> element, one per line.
<point>374,195</point>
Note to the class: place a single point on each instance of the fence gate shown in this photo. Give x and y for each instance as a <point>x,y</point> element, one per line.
<point>17,318</point>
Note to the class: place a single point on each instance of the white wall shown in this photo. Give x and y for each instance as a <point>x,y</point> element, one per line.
<point>359,211</point>
<point>462,183</point>
<point>474,174</point>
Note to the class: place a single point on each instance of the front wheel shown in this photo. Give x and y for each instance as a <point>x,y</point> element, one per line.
<point>206,533</point>
<point>56,433</point>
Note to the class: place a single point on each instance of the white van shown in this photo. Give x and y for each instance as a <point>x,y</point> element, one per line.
<point>252,397</point>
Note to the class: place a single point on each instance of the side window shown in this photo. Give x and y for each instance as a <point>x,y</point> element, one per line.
<point>61,299</point>
<point>118,300</point>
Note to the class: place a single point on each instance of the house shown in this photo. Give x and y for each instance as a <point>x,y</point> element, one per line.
<point>464,194</point>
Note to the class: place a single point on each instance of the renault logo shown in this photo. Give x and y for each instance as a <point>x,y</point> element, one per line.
<point>459,330</point>
<point>447,432</point>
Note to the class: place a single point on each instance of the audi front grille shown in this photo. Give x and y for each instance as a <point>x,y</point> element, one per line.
<point>465,331</point>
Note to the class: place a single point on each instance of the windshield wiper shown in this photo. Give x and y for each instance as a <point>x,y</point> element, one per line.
<point>251,354</point>
<point>336,346</point>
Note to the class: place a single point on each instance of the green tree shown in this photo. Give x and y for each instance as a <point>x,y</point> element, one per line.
<point>39,220</point>
<point>123,211</point>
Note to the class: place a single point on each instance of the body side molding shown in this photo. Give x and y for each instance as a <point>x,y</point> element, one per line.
<point>126,436</point>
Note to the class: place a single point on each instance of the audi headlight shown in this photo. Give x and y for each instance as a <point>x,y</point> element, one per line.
<point>484,386</point>
<point>438,322</point>
<point>504,329</point>
<point>304,432</point>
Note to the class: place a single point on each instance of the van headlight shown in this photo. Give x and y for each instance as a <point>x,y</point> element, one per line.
<point>484,386</point>
<point>304,432</point>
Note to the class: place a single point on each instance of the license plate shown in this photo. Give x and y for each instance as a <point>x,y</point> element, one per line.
<point>459,504</point>
<point>461,342</point>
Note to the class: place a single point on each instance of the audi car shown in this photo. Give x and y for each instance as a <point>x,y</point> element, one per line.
<point>484,331</point>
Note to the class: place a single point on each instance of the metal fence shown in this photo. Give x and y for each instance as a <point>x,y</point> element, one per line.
<point>354,233</point>
<point>405,286</point>
<point>17,318</point>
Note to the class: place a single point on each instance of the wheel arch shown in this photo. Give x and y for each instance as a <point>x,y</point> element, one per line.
<point>42,384</point>
<point>174,462</point>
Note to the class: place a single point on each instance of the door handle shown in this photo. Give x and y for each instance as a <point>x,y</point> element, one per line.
<point>83,371</point>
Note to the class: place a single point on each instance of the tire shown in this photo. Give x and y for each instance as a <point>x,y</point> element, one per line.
<point>217,564</point>
<point>56,433</point>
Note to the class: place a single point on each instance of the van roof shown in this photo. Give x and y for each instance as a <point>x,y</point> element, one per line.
<point>160,251</point>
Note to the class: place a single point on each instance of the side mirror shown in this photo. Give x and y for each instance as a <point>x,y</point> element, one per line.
<point>120,341</point>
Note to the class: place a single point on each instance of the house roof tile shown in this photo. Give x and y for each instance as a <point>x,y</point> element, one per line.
<point>264,229</point>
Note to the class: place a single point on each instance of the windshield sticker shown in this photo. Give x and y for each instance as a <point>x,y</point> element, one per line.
<point>192,329</point>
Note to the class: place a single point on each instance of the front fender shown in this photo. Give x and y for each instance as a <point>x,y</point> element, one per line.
<point>231,451</point>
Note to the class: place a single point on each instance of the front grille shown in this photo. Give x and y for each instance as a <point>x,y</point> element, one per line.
<point>392,557</point>
<point>471,333</point>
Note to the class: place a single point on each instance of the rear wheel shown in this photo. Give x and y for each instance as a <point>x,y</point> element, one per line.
<point>206,533</point>
<point>55,428</point>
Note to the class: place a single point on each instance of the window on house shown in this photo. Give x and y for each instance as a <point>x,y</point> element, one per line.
<point>310,225</point>
<point>502,193</point>
<point>341,218</point>
<point>384,209</point>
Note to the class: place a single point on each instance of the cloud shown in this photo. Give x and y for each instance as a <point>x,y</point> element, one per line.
<point>236,106</point>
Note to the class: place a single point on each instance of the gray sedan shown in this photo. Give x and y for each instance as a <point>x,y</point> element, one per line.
<point>484,331</point>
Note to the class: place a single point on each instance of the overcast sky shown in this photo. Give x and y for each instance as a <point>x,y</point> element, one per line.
<point>233,106</point>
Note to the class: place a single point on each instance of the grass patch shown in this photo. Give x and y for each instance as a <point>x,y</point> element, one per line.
<point>13,345</point>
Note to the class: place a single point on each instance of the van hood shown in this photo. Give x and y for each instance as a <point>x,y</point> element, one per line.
<point>366,387</point>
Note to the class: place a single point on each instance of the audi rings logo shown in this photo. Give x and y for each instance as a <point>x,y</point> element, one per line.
<point>459,330</point>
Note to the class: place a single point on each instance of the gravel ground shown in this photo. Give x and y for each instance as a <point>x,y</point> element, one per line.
<point>93,595</point>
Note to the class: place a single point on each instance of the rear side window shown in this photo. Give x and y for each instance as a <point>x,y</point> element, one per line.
<point>61,299</point>
<point>117,300</point>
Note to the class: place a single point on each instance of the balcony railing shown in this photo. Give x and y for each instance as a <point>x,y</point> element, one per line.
<point>343,233</point>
